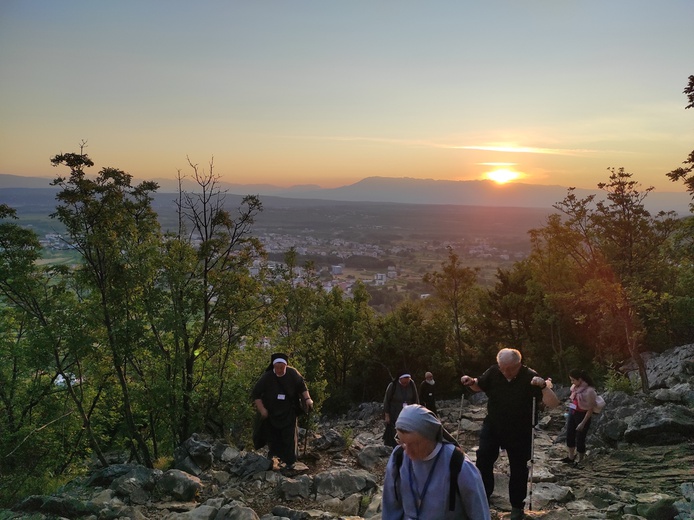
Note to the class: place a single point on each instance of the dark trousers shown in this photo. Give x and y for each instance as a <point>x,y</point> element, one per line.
<point>431,405</point>
<point>282,443</point>
<point>517,446</point>
<point>389,435</point>
<point>574,438</point>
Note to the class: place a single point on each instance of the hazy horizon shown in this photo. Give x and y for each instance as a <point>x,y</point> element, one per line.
<point>171,183</point>
<point>328,94</point>
<point>401,191</point>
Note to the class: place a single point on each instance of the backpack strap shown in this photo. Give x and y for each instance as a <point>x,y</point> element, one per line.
<point>455,466</point>
<point>398,453</point>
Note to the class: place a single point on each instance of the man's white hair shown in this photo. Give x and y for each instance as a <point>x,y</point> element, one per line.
<point>509,356</point>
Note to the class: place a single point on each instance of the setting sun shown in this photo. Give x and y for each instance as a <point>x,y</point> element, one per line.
<point>502,176</point>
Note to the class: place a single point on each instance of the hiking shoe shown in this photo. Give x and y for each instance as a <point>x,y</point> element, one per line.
<point>289,470</point>
<point>517,514</point>
<point>567,460</point>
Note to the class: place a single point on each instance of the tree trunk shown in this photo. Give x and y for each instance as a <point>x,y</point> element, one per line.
<point>633,341</point>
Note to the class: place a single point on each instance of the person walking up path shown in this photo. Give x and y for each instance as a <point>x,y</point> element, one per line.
<point>399,393</point>
<point>420,483</point>
<point>427,392</point>
<point>276,396</point>
<point>583,397</point>
<point>511,388</point>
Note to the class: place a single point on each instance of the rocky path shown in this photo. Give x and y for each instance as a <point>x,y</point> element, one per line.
<point>637,469</point>
<point>626,480</point>
<point>626,467</point>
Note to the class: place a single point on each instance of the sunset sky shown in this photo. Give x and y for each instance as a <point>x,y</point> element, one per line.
<point>327,93</point>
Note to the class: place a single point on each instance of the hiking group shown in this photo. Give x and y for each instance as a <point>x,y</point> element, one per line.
<point>427,463</point>
<point>415,471</point>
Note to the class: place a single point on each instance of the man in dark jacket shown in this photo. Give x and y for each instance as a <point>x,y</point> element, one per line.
<point>427,394</point>
<point>513,391</point>
<point>278,396</point>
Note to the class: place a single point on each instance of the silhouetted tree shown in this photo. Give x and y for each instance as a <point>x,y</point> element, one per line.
<point>685,173</point>
<point>112,226</point>
<point>454,288</point>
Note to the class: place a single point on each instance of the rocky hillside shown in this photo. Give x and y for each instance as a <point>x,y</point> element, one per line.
<point>639,465</point>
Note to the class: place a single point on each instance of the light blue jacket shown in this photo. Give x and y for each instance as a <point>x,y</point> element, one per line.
<point>470,502</point>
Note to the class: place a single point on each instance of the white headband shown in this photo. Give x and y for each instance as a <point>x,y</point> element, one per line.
<point>279,360</point>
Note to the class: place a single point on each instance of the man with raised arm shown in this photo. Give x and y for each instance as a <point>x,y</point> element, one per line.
<point>511,388</point>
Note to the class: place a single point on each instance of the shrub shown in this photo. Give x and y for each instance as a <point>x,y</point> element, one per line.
<point>616,381</point>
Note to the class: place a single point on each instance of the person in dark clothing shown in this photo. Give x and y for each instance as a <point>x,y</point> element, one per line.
<point>277,396</point>
<point>427,393</point>
<point>511,388</point>
<point>399,394</point>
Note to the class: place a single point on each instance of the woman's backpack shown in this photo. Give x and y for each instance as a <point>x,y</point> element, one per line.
<point>599,404</point>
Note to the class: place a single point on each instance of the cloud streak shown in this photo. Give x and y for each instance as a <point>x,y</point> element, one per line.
<point>528,149</point>
<point>431,144</point>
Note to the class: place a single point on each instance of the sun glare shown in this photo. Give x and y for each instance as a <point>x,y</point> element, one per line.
<point>502,176</point>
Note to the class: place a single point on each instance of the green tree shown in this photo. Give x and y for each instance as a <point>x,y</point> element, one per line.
<point>683,248</point>
<point>297,293</point>
<point>203,305</point>
<point>519,311</point>
<point>48,391</point>
<point>112,225</point>
<point>611,255</point>
<point>685,173</point>
<point>455,290</point>
<point>344,327</point>
<point>411,337</point>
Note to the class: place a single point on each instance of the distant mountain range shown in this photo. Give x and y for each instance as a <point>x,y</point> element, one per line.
<point>408,191</point>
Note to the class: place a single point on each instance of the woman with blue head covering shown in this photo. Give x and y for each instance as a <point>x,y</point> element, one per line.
<point>419,474</point>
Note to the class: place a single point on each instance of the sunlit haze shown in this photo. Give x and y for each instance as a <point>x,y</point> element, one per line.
<point>502,176</point>
<point>328,93</point>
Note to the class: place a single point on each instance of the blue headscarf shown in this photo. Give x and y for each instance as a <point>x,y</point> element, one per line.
<point>419,419</point>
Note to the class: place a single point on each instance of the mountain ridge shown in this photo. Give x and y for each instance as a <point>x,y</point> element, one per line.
<point>406,190</point>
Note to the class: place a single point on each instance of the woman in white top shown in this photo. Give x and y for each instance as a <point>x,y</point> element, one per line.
<point>583,398</point>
